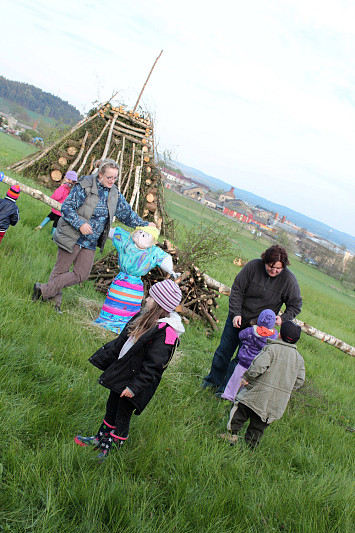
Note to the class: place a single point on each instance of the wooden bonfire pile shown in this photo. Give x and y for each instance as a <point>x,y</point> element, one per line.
<point>108,131</point>
<point>200,292</point>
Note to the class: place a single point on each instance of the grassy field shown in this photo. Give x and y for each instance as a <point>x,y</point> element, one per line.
<point>174,474</point>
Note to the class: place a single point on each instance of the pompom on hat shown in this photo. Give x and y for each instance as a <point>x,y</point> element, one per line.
<point>71,175</point>
<point>290,332</point>
<point>267,318</point>
<point>14,192</point>
<point>167,294</point>
<point>152,230</point>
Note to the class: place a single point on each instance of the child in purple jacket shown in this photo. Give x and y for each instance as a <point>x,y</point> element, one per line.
<point>252,341</point>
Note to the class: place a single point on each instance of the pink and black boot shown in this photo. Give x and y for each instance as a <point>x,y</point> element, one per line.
<point>95,440</point>
<point>107,443</point>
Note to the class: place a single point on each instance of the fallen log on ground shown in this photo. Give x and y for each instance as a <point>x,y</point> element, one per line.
<point>35,193</point>
<point>325,337</point>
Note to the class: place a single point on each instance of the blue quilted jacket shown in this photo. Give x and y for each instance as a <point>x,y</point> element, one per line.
<point>9,213</point>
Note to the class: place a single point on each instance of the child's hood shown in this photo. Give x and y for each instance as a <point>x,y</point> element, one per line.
<point>174,321</point>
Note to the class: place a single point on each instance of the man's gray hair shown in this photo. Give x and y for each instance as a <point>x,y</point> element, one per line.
<point>107,163</point>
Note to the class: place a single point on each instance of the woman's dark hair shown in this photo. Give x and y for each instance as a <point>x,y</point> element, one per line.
<point>274,254</point>
<point>147,320</point>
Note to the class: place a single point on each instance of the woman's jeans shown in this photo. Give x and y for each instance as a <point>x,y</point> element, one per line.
<point>222,367</point>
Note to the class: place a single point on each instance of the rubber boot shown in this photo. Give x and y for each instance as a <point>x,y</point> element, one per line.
<point>53,231</point>
<point>42,224</point>
<point>107,443</point>
<point>95,440</point>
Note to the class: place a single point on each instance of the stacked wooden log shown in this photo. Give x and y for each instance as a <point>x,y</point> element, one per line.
<point>200,293</point>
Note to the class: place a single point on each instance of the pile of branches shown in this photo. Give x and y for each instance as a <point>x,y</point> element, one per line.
<point>200,292</point>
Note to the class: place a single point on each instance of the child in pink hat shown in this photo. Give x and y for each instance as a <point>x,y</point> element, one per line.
<point>60,195</point>
<point>9,212</point>
<point>133,364</point>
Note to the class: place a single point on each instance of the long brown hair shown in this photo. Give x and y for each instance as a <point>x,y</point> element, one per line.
<point>148,319</point>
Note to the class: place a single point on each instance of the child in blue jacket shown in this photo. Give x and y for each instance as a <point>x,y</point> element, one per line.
<point>9,213</point>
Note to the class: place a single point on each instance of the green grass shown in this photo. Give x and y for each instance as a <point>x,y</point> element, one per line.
<point>174,474</point>
<point>12,150</point>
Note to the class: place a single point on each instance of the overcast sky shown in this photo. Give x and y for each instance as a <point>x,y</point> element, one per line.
<point>258,94</point>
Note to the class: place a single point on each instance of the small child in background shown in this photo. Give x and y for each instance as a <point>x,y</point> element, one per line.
<point>252,341</point>
<point>267,385</point>
<point>133,364</point>
<point>9,212</point>
<point>60,195</point>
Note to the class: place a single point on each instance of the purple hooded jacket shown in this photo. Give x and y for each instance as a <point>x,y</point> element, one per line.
<point>251,343</point>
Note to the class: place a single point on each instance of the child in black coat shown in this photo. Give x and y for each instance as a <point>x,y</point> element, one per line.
<point>133,364</point>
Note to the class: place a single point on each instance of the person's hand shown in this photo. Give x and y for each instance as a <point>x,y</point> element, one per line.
<point>244,382</point>
<point>278,321</point>
<point>237,321</point>
<point>127,393</point>
<point>85,229</point>
<point>152,224</point>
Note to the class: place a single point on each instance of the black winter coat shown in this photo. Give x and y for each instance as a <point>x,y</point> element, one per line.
<point>9,213</point>
<point>140,369</point>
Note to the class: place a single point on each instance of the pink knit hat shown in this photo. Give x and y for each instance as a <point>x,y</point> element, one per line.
<point>167,294</point>
<point>13,192</point>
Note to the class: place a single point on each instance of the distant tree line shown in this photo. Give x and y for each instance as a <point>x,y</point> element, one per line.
<point>38,101</point>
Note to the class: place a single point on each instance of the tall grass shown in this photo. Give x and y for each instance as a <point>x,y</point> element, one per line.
<point>174,473</point>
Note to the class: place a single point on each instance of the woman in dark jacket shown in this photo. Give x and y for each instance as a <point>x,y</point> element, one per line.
<point>133,364</point>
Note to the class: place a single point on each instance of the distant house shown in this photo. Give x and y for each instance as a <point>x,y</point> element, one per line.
<point>193,191</point>
<point>235,204</point>
<point>264,215</point>
<point>209,202</point>
<point>11,121</point>
<point>229,195</point>
<point>180,180</point>
<point>175,177</point>
<point>240,215</point>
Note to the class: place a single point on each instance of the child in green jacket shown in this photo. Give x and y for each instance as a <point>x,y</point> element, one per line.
<point>273,375</point>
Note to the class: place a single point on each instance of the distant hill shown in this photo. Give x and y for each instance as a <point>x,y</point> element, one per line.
<point>36,100</point>
<point>319,228</point>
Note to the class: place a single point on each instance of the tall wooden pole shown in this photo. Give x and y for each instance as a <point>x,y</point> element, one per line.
<point>151,70</point>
